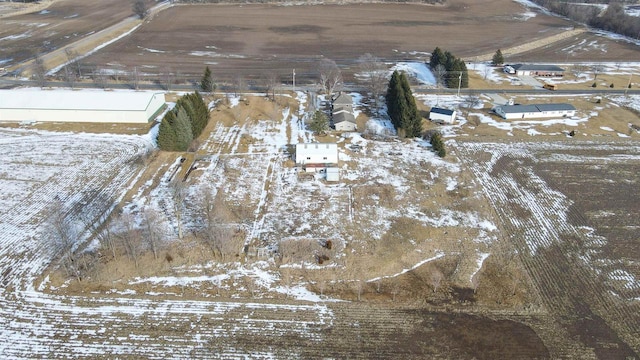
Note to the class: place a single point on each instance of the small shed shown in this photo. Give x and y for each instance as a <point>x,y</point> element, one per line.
<point>333,174</point>
<point>441,115</point>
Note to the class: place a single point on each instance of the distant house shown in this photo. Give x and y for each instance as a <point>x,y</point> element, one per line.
<point>441,115</point>
<point>316,156</point>
<point>536,70</point>
<point>80,106</point>
<point>342,117</point>
<point>333,174</point>
<point>344,121</point>
<point>344,101</point>
<point>534,111</point>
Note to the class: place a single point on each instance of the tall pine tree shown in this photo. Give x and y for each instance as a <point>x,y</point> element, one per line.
<point>390,97</point>
<point>413,122</point>
<point>437,58</point>
<point>167,134</point>
<point>206,84</point>
<point>182,127</point>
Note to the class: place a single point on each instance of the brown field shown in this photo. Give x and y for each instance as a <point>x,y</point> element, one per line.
<point>251,40</point>
<point>65,21</point>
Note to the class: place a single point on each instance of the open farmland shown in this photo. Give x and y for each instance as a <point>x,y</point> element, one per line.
<point>63,22</point>
<point>251,40</point>
<point>570,211</point>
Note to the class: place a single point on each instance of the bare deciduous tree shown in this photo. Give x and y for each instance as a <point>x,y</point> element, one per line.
<point>73,61</point>
<point>374,74</point>
<point>440,73</point>
<point>140,9</point>
<point>239,85</point>
<point>330,76</point>
<point>169,79</point>
<point>69,76</point>
<point>270,81</point>
<point>131,237</point>
<point>436,279</point>
<point>152,230</point>
<point>39,71</point>
<point>178,195</point>
<point>63,237</point>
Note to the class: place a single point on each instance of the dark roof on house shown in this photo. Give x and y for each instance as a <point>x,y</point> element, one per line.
<point>343,116</point>
<point>532,67</point>
<point>510,109</point>
<point>343,99</point>
<point>441,111</point>
<point>339,108</point>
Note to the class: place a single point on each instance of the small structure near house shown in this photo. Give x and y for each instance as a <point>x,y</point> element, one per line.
<point>534,111</point>
<point>316,157</point>
<point>80,106</point>
<point>342,118</point>
<point>536,70</point>
<point>333,174</point>
<point>440,115</point>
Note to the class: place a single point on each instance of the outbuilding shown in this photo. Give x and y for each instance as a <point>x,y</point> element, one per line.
<point>94,106</point>
<point>537,70</point>
<point>316,156</point>
<point>342,100</point>
<point>534,111</point>
<point>441,115</point>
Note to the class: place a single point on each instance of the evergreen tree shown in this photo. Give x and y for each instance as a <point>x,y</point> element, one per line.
<point>206,84</point>
<point>412,121</point>
<point>437,58</point>
<point>497,59</point>
<point>438,145</point>
<point>201,113</point>
<point>166,134</point>
<point>182,127</point>
<point>462,68</point>
<point>391,96</point>
<point>319,123</point>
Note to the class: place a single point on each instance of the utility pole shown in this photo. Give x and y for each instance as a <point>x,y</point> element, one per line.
<point>628,85</point>
<point>294,80</point>
<point>459,83</point>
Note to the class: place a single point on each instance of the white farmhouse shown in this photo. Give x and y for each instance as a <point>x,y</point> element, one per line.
<point>80,106</point>
<point>344,121</point>
<point>316,156</point>
<point>440,115</point>
<point>534,111</point>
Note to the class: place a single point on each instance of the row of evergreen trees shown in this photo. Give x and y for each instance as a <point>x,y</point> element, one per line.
<point>454,66</point>
<point>401,106</point>
<point>183,123</point>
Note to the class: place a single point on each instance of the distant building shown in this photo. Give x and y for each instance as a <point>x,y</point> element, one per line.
<point>534,111</point>
<point>80,106</point>
<point>441,115</point>
<point>536,70</point>
<point>344,121</point>
<point>316,156</point>
<point>342,118</point>
<point>333,174</point>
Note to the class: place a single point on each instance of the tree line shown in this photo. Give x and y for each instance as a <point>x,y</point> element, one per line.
<point>183,123</point>
<point>613,19</point>
<point>449,69</point>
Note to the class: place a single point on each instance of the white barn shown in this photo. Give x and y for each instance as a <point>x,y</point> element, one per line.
<point>442,115</point>
<point>534,111</point>
<point>316,156</point>
<point>80,106</point>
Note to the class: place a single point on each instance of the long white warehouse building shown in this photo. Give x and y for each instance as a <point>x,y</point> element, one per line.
<point>80,106</point>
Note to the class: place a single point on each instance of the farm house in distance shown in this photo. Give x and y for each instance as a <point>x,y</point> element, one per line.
<point>80,106</point>
<point>534,70</point>
<point>534,111</point>
<point>342,118</point>
<point>442,116</point>
<point>318,157</point>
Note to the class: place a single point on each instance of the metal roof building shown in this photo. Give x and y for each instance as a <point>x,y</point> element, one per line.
<point>537,70</point>
<point>80,106</point>
<point>534,111</point>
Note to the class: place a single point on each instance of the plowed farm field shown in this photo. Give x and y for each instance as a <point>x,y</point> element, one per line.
<point>571,210</point>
